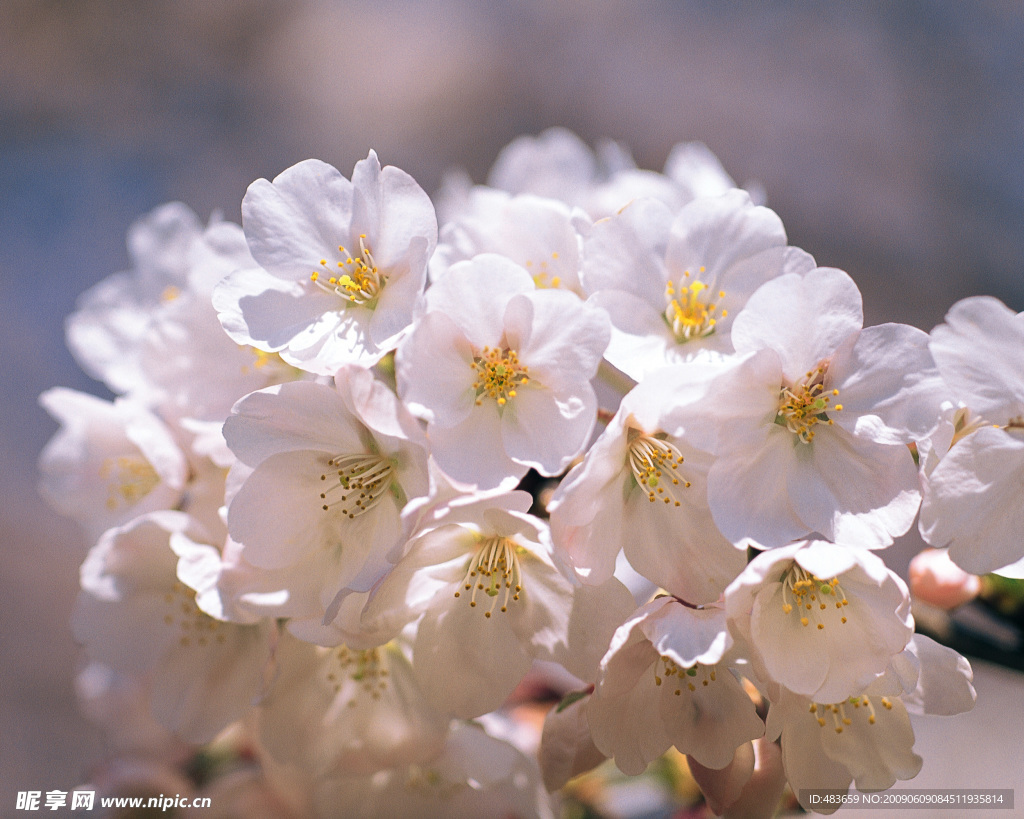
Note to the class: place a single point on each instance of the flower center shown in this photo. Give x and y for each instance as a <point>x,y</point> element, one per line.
<point>805,404</point>
<point>362,480</point>
<point>542,277</point>
<point>688,678</point>
<point>813,599</point>
<point>691,313</point>
<point>655,464</point>
<point>499,374</point>
<point>130,478</point>
<point>494,571</point>
<point>840,718</point>
<point>195,625</point>
<point>365,670</point>
<point>356,279</point>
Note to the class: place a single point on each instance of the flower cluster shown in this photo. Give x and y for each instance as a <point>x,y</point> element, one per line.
<point>313,541</point>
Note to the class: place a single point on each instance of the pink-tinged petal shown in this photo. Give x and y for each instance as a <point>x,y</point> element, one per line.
<point>876,754</point>
<point>435,371</point>
<point>200,689</point>
<point>550,164</point>
<point>711,720</point>
<point>973,501</point>
<point>806,764</point>
<point>748,495</point>
<point>158,243</point>
<point>687,636</point>
<point>823,559</point>
<point>539,234</point>
<point>557,336</point>
<point>297,415</point>
<point>587,509</point>
<point>474,296</point>
<point>109,462</point>
<point>120,634</point>
<point>467,664</point>
<point>623,714</point>
<point>853,490</point>
<point>546,427</point>
<point>797,261</point>
<point>944,686</point>
<point>295,221</point>
<point>738,411</point>
<point>393,314</point>
<point>566,747</point>
<point>888,386</point>
<point>337,338</point>
<point>391,208</point>
<point>978,352</point>
<point>803,318</point>
<point>472,451</point>
<point>824,645</point>
<point>540,618</point>
<point>597,611</point>
<point>626,252</point>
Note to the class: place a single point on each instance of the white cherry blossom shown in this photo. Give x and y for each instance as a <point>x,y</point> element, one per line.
<point>810,428</point>
<point>501,372</point>
<point>672,283</point>
<point>820,619</point>
<point>867,738</point>
<point>329,470</point>
<point>642,487</point>
<point>111,320</point>
<point>137,614</point>
<point>475,775</point>
<point>343,711</point>
<point>481,579</point>
<point>542,235</point>
<point>341,264</point>
<point>110,461</point>
<point>666,681</point>
<point>973,500</point>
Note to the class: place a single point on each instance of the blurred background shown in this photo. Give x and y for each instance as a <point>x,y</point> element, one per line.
<point>888,136</point>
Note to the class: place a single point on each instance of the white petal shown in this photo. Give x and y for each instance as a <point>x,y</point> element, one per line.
<point>557,336</point>
<point>466,663</point>
<point>852,490</point>
<point>803,318</point>
<point>473,452</point>
<point>973,501</point>
<point>302,216</point>
<point>300,415</point>
<point>435,371</point>
<point>546,427</point>
<point>474,295</point>
<point>748,495</point>
<point>978,352</point>
<point>888,384</point>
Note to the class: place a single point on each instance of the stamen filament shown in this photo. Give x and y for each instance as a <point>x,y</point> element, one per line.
<point>363,481</point>
<point>655,465</point>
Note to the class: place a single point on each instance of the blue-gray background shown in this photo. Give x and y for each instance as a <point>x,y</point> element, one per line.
<point>889,137</point>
